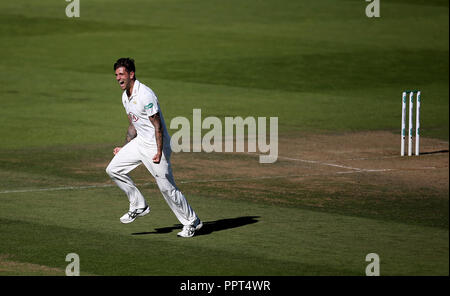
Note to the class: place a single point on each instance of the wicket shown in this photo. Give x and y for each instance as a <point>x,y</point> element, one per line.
<point>410,126</point>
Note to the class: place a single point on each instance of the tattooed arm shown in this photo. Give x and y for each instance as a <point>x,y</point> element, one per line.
<point>156,121</point>
<point>131,134</point>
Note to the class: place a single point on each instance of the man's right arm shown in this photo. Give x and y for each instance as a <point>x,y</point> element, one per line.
<point>131,134</point>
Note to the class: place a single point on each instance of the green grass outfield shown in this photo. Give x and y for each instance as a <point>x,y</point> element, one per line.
<point>244,238</point>
<point>321,67</point>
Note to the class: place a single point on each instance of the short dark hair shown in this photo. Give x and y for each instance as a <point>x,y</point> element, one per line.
<point>128,63</point>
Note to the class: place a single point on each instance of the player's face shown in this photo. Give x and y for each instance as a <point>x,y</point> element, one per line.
<point>124,78</point>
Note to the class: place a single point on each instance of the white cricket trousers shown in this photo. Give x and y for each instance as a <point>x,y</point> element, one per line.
<point>132,155</point>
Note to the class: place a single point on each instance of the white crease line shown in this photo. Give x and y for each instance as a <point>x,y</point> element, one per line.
<point>375,158</point>
<point>321,163</point>
<point>316,162</point>
<point>188,181</point>
<point>354,170</point>
<point>56,188</point>
<point>343,166</point>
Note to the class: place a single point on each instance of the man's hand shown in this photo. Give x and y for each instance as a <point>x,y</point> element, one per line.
<point>157,157</point>
<point>116,150</point>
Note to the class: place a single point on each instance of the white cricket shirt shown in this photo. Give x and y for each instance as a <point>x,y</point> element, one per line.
<point>139,106</point>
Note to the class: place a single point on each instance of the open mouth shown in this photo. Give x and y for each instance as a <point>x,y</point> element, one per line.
<point>122,83</point>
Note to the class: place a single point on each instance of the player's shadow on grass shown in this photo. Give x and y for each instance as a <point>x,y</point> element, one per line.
<point>208,226</point>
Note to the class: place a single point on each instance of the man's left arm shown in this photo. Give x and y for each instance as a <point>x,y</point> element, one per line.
<point>155,119</point>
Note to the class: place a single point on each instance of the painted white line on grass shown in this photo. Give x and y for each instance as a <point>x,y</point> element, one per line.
<point>199,181</point>
<point>348,167</point>
<point>56,188</point>
<point>325,163</point>
<point>180,182</point>
<point>351,170</point>
<point>321,163</point>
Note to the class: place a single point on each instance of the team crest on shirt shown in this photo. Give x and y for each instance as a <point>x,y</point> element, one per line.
<point>133,117</point>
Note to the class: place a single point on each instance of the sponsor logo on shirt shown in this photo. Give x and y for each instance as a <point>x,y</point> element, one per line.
<point>133,117</point>
<point>148,106</point>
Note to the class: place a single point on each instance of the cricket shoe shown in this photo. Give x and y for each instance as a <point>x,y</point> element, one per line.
<point>189,230</point>
<point>132,215</point>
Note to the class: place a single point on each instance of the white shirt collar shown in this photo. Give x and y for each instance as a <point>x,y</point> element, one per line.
<point>135,90</point>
